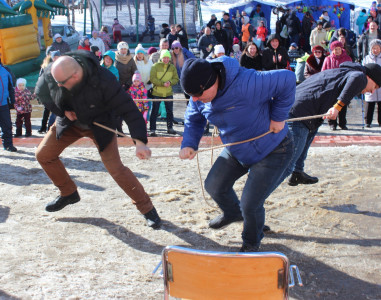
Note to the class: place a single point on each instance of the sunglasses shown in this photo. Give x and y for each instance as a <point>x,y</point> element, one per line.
<point>203,88</point>
<point>64,81</point>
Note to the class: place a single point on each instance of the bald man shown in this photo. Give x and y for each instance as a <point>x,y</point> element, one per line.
<point>80,92</point>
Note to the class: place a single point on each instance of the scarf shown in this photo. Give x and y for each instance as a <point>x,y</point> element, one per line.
<point>124,59</point>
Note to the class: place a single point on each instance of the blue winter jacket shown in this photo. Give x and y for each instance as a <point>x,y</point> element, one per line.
<point>243,109</point>
<point>5,86</point>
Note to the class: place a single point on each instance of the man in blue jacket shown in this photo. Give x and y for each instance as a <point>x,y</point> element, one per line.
<point>243,104</point>
<point>6,91</point>
<point>325,92</point>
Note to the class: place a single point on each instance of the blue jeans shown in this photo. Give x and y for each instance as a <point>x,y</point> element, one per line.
<point>303,138</point>
<point>261,182</point>
<point>6,126</point>
<point>155,110</point>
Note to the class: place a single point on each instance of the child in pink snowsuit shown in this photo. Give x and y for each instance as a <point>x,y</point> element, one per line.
<point>138,91</point>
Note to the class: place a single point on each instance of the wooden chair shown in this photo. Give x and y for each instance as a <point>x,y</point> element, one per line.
<point>197,274</point>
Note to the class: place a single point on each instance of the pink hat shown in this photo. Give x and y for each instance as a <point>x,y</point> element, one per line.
<point>136,76</point>
<point>336,44</point>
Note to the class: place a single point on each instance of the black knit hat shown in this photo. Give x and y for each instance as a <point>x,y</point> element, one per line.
<point>197,76</point>
<point>94,48</point>
<point>374,72</point>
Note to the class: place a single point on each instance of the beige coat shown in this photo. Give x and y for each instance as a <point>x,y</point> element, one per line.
<point>317,37</point>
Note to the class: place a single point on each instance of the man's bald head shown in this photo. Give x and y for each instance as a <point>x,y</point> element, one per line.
<point>67,71</point>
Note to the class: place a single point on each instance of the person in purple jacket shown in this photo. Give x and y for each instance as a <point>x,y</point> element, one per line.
<point>243,104</point>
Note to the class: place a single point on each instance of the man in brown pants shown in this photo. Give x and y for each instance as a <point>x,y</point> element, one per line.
<point>80,92</point>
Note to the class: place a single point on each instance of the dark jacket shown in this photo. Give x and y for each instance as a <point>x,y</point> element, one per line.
<point>251,62</point>
<point>171,38</point>
<point>183,38</point>
<point>232,24</point>
<point>293,24</point>
<point>98,98</point>
<point>63,47</point>
<point>269,52</point>
<point>164,32</point>
<point>222,38</point>
<point>126,67</point>
<point>317,94</point>
<point>307,25</point>
<point>312,67</point>
<point>363,44</point>
<point>204,43</point>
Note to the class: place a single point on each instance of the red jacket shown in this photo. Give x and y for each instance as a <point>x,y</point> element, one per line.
<point>332,61</point>
<point>84,48</point>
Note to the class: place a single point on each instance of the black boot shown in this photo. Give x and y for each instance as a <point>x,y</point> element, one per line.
<point>249,248</point>
<point>301,178</point>
<point>61,201</point>
<point>221,221</point>
<point>153,219</point>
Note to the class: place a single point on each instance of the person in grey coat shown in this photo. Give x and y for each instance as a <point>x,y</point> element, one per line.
<point>374,56</point>
<point>206,43</point>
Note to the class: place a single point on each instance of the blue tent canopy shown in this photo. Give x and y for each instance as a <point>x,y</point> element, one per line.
<point>250,6</point>
<point>339,12</point>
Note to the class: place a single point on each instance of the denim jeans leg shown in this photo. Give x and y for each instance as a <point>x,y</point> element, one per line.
<point>299,164</point>
<point>263,179</point>
<point>300,134</point>
<point>154,112</point>
<point>169,109</point>
<point>220,180</point>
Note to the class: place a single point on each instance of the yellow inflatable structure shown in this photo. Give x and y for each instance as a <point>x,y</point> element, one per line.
<point>19,34</point>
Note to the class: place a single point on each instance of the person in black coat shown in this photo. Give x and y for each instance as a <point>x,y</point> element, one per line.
<point>172,35</point>
<point>80,92</point>
<point>221,37</point>
<point>164,31</point>
<point>274,56</point>
<point>182,36</point>
<point>327,93</point>
<point>294,28</point>
<point>251,58</point>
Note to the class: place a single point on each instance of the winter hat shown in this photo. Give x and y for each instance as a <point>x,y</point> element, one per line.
<point>151,50</point>
<point>318,48</point>
<point>272,37</point>
<point>336,44</point>
<point>123,45</point>
<point>111,54</point>
<point>56,36</point>
<point>374,43</point>
<point>219,49</point>
<point>21,80</point>
<point>236,48</point>
<point>165,53</point>
<point>327,25</point>
<point>139,49</point>
<point>374,72</point>
<point>55,53</point>
<point>136,76</point>
<point>246,19</point>
<point>197,75</point>
<point>176,44</point>
<point>94,48</point>
<point>294,45</point>
<point>235,40</point>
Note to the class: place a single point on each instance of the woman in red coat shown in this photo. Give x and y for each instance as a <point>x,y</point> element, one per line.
<point>84,44</point>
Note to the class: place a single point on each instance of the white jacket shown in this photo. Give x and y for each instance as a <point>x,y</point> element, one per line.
<point>99,43</point>
<point>317,37</point>
<point>144,70</point>
<point>376,96</point>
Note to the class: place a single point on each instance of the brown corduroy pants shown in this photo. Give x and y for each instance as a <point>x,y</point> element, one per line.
<point>50,148</point>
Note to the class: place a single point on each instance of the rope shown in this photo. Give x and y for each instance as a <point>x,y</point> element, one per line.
<point>214,147</point>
